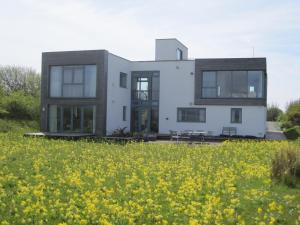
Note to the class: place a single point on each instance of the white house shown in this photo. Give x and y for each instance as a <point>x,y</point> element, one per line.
<point>98,92</point>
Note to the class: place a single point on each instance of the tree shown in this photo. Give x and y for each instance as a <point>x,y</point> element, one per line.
<point>273,112</point>
<point>18,78</point>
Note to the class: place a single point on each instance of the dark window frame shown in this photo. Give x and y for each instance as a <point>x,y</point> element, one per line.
<point>123,76</point>
<point>240,113</point>
<point>190,121</point>
<point>71,84</point>
<point>231,81</point>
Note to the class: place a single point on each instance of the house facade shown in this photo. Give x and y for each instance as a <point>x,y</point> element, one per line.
<point>98,92</point>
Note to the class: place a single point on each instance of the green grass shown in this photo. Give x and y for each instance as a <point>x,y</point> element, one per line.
<point>292,133</point>
<point>80,182</point>
<point>18,126</point>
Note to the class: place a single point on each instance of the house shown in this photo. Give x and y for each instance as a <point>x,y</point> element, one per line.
<point>98,92</point>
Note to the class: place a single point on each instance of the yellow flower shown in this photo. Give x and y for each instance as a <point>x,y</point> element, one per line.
<point>259,210</point>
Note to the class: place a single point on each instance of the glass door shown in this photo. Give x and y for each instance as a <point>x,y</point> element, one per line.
<point>72,119</point>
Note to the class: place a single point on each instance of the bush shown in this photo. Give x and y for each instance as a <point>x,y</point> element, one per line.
<point>18,105</point>
<point>273,113</point>
<point>18,126</point>
<point>292,133</point>
<point>292,116</point>
<point>286,166</point>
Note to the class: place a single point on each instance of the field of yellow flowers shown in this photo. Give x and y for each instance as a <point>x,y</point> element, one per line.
<point>79,182</point>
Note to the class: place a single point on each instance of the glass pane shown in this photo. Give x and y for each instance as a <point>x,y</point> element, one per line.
<point>78,75</point>
<point>155,88</point>
<point>224,84</point>
<point>70,90</point>
<point>124,113</point>
<point>76,119</point>
<point>143,119</point>
<point>255,84</point>
<point>67,119</point>
<point>239,84</point>
<point>202,115</point>
<point>209,79</point>
<point>123,80</point>
<point>88,120</point>
<point>154,120</point>
<point>90,81</point>
<point>55,81</point>
<point>209,92</point>
<point>236,115</point>
<point>68,75</point>
<point>54,118</point>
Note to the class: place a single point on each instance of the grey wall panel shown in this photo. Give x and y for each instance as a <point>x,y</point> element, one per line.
<point>96,57</point>
<point>228,64</point>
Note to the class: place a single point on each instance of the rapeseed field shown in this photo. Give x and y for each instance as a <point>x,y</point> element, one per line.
<point>80,182</point>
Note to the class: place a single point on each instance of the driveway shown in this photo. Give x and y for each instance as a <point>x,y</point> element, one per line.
<point>274,132</point>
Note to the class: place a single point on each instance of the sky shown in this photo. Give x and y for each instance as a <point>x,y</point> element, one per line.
<point>128,28</point>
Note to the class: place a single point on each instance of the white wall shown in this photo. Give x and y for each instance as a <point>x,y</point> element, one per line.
<point>177,90</point>
<point>165,49</point>
<point>117,97</point>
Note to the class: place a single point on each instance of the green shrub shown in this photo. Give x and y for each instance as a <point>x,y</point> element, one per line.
<point>273,113</point>
<point>292,133</point>
<point>18,105</point>
<point>18,126</point>
<point>286,166</point>
<point>292,116</point>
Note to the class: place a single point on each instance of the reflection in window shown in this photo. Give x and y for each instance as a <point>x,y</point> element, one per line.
<point>233,84</point>
<point>209,88</point>
<point>73,81</point>
<point>179,55</point>
<point>73,119</point>
<point>255,84</point>
<point>236,115</point>
<point>191,114</point>
<point>123,80</point>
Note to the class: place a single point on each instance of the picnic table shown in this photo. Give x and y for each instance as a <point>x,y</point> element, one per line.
<point>187,134</point>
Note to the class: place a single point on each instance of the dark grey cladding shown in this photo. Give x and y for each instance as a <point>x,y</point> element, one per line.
<point>95,57</point>
<point>229,64</point>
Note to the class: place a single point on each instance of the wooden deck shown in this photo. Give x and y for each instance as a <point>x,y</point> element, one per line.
<point>58,135</point>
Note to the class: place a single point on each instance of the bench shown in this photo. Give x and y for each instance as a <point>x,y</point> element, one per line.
<point>229,131</point>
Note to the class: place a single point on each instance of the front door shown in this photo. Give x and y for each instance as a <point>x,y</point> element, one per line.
<point>141,119</point>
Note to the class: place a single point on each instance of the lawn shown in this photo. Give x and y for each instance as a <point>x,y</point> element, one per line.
<point>79,182</point>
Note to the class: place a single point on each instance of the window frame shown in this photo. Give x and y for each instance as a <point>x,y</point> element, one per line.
<point>263,85</point>
<point>63,83</point>
<point>180,52</point>
<point>123,75</point>
<point>192,108</point>
<point>241,115</point>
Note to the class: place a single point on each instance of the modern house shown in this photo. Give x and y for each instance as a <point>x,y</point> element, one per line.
<point>98,92</point>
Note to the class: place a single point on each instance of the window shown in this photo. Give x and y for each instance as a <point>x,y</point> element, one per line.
<point>72,119</point>
<point>73,81</point>
<point>191,115</point>
<point>232,84</point>
<point>255,84</point>
<point>236,115</point>
<point>124,113</point>
<point>179,54</point>
<point>209,84</point>
<point>123,80</point>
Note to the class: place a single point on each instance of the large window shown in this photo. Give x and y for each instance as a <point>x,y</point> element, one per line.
<point>236,115</point>
<point>233,84</point>
<point>73,81</point>
<point>123,80</point>
<point>72,119</point>
<point>191,115</point>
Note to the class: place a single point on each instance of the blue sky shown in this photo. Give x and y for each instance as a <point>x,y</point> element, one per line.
<point>215,28</point>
